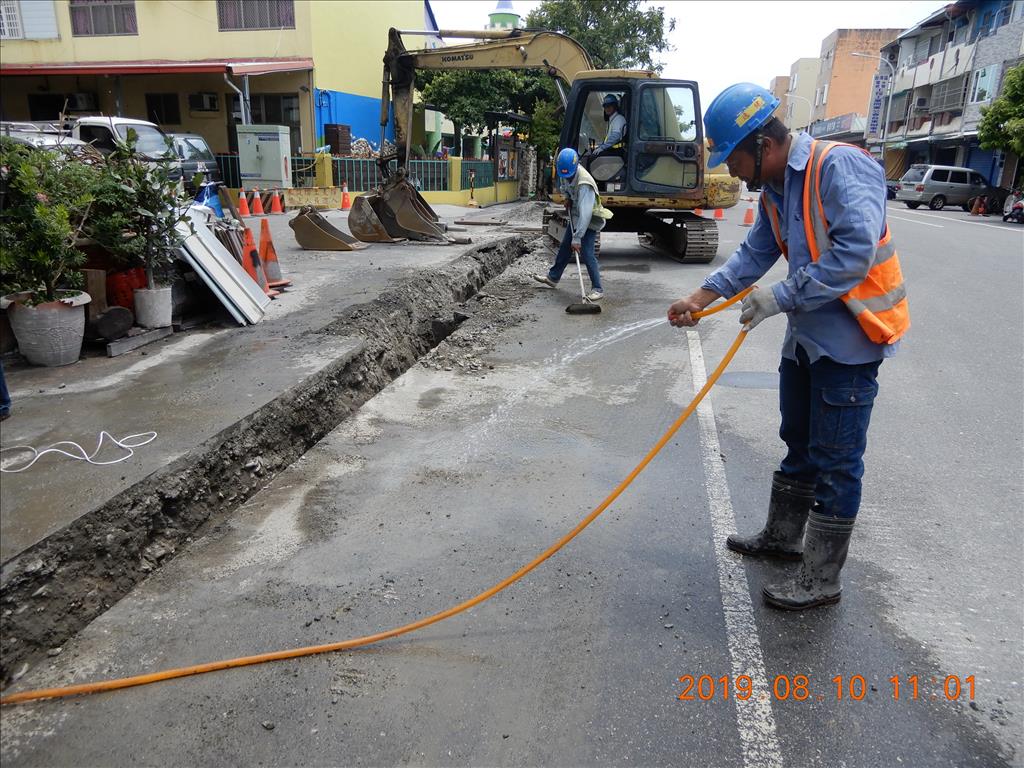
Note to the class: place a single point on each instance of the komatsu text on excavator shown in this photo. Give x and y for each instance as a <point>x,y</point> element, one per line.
<point>652,181</point>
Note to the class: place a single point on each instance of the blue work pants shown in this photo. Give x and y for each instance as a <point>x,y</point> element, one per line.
<point>826,409</point>
<point>564,257</point>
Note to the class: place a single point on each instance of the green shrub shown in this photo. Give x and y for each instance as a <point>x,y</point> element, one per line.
<point>45,202</point>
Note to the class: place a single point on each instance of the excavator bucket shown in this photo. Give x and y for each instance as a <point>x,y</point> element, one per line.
<point>395,210</point>
<point>315,233</point>
<point>364,223</point>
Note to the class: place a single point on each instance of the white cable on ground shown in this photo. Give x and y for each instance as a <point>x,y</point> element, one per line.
<point>128,443</point>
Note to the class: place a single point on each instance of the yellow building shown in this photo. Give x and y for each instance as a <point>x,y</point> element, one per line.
<point>188,64</point>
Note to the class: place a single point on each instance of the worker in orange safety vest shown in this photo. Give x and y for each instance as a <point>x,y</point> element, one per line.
<point>823,209</point>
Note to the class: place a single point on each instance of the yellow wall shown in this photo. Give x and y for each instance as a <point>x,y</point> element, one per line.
<point>349,40</point>
<point>182,30</point>
<point>210,125</point>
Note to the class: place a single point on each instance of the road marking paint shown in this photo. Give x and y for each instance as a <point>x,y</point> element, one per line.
<point>913,221</point>
<point>754,717</point>
<point>955,221</point>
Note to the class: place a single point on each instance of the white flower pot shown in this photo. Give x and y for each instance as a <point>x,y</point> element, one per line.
<point>51,333</point>
<point>153,307</point>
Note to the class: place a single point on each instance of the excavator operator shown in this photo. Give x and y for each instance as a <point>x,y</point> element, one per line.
<point>616,126</point>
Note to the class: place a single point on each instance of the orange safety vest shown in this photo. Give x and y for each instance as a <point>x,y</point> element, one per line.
<point>880,302</point>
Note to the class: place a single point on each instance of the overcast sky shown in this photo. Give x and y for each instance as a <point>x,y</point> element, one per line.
<point>747,41</point>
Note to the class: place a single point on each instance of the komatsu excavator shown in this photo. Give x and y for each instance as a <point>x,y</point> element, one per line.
<point>652,181</point>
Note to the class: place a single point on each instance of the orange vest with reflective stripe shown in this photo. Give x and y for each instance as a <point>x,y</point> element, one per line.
<point>879,303</point>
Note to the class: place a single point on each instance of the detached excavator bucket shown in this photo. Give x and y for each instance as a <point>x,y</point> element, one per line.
<point>395,210</point>
<point>364,223</point>
<point>406,214</point>
<point>315,233</point>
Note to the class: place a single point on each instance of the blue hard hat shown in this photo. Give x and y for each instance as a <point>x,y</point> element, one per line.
<point>735,113</point>
<point>612,99</point>
<point>566,163</point>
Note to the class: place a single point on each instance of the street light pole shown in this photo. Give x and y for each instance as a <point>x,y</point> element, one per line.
<point>888,100</point>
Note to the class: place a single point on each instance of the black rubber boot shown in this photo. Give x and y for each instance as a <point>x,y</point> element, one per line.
<point>817,582</point>
<point>783,533</point>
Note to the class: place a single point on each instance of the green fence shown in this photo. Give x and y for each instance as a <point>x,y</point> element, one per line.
<point>483,176</point>
<point>364,174</point>
<point>229,170</point>
<point>303,172</point>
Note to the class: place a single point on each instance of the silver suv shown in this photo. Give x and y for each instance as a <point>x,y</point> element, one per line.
<point>939,186</point>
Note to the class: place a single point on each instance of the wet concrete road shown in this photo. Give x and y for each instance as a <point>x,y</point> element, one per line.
<point>448,481</point>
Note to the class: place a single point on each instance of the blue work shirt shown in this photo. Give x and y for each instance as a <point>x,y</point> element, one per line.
<point>853,194</point>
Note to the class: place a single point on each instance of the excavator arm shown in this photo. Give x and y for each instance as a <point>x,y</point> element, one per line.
<point>558,54</point>
<point>397,210</point>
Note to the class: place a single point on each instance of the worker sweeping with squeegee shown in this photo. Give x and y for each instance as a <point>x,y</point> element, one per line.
<point>586,218</point>
<point>823,209</point>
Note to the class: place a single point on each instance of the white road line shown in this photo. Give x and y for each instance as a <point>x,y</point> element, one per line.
<point>913,221</point>
<point>956,221</point>
<point>754,717</point>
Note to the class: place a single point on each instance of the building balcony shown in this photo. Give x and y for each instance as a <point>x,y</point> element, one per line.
<point>952,62</point>
<point>953,126</point>
<point>921,132</point>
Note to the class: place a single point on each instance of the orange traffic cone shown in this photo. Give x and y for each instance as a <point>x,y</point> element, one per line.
<point>699,211</point>
<point>268,257</point>
<point>257,203</point>
<point>251,262</point>
<point>346,201</point>
<point>748,216</point>
<point>243,204</point>
<point>275,204</point>
<point>719,214</point>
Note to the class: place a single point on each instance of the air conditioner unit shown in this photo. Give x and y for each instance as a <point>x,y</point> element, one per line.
<point>81,102</point>
<point>203,102</point>
<point>921,105</point>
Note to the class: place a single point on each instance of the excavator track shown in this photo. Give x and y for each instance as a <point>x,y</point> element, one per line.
<point>685,237</point>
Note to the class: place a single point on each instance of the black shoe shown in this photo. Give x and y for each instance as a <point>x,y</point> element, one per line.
<point>817,582</point>
<point>783,533</point>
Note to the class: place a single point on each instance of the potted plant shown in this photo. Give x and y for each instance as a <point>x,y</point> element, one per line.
<point>45,199</point>
<point>139,204</point>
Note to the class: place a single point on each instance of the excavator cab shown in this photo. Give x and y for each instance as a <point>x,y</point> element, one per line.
<point>655,177</point>
<point>662,153</point>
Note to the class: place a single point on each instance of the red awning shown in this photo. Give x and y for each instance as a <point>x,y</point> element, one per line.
<point>161,67</point>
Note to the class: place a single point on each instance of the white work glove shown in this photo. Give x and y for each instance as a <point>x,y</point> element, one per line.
<point>757,306</point>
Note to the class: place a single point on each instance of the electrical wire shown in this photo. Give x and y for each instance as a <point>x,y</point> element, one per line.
<point>127,442</point>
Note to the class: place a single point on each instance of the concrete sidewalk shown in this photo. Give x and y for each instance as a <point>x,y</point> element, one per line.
<point>239,390</point>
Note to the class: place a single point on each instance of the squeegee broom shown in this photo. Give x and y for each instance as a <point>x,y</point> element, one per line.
<point>586,306</point>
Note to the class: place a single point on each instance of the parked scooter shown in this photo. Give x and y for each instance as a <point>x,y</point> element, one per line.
<point>1013,208</point>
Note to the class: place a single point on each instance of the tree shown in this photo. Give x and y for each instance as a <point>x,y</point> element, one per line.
<point>1002,122</point>
<point>618,34</point>
<point>546,127</point>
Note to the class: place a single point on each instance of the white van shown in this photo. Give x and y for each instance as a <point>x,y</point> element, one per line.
<point>939,186</point>
<point>104,133</point>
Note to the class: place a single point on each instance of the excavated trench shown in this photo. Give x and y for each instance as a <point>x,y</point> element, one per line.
<point>56,587</point>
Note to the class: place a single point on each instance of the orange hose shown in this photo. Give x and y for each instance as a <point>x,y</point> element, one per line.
<point>244,661</point>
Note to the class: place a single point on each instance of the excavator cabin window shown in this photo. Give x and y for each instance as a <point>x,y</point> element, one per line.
<point>608,165</point>
<point>666,128</point>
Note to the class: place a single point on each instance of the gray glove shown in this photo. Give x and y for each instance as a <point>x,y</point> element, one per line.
<point>757,306</point>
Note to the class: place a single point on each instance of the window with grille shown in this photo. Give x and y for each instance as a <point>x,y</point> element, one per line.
<point>10,20</point>
<point>163,109</point>
<point>93,18</point>
<point>948,95</point>
<point>255,14</point>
